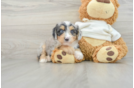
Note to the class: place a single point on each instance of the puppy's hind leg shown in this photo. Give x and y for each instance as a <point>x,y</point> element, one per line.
<point>42,57</point>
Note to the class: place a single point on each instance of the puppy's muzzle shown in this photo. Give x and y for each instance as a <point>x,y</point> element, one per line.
<point>66,39</point>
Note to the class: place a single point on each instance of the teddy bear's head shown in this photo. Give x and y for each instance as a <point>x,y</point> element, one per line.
<point>99,10</point>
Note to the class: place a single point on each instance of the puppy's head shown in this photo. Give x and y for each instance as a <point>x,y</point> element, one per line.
<point>66,33</point>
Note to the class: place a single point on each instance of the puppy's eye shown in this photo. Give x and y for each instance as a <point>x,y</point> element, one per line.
<point>61,31</point>
<point>73,32</point>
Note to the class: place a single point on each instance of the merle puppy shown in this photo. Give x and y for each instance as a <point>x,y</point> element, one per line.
<point>65,37</point>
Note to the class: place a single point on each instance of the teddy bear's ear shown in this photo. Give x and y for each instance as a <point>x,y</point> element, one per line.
<point>82,1</point>
<point>116,3</point>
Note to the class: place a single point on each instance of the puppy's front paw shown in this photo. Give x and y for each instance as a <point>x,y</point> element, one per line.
<point>78,55</point>
<point>68,50</point>
<point>45,60</point>
<point>49,58</point>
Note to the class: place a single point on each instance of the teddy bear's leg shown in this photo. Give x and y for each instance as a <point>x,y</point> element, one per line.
<point>120,42</point>
<point>107,54</point>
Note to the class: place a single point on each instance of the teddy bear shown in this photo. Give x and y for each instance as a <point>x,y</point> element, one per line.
<point>100,42</point>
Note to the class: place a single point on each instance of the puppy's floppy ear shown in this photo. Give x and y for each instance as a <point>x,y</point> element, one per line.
<point>77,28</point>
<point>78,33</point>
<point>54,32</point>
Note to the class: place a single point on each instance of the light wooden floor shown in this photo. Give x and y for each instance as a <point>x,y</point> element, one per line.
<point>27,23</point>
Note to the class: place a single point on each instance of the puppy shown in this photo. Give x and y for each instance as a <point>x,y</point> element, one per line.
<point>65,37</point>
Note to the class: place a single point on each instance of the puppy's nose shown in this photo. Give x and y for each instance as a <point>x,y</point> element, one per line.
<point>66,39</point>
